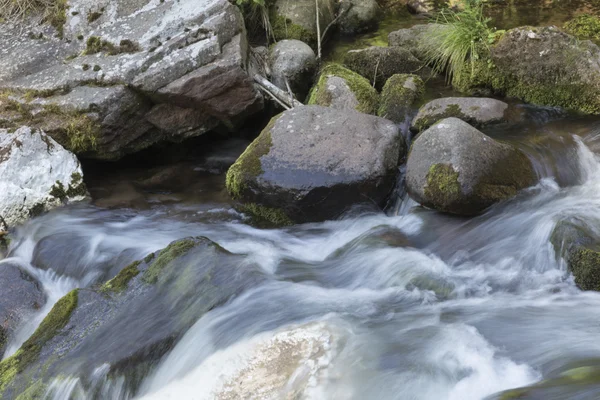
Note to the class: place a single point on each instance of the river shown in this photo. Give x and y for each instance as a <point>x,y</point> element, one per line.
<point>411,304</point>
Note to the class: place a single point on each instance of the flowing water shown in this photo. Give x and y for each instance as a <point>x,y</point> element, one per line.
<point>410,305</point>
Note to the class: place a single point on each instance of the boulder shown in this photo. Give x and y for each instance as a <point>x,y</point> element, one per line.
<point>378,64</point>
<point>411,39</point>
<point>22,295</point>
<point>543,66</point>
<point>399,94</point>
<point>295,62</point>
<point>421,6</point>
<point>103,86</point>
<point>359,16</point>
<point>476,111</point>
<point>580,248</point>
<point>37,174</point>
<point>149,306</point>
<point>342,89</point>
<point>454,168</point>
<point>297,19</point>
<point>312,163</point>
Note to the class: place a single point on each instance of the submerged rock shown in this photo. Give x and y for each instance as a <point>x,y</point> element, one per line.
<point>399,94</point>
<point>148,306</point>
<point>295,62</point>
<point>581,250</point>
<point>543,66</point>
<point>130,76</point>
<point>342,89</point>
<point>297,19</point>
<point>359,16</point>
<point>378,64</point>
<point>453,167</point>
<point>312,163</point>
<point>476,111</point>
<point>22,295</point>
<point>37,174</point>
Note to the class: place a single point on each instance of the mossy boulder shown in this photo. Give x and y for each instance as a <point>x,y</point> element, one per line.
<point>454,168</point>
<point>476,111</point>
<point>359,16</point>
<point>312,163</point>
<point>378,64</point>
<point>149,306</point>
<point>399,94</point>
<point>294,62</point>
<point>412,39</point>
<point>542,66</point>
<point>584,27</point>
<point>343,89</point>
<point>580,248</point>
<point>297,19</point>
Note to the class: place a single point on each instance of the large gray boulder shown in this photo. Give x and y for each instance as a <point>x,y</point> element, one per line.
<point>476,111</point>
<point>22,295</point>
<point>312,163</point>
<point>104,86</point>
<point>297,19</point>
<point>359,16</point>
<point>398,96</point>
<point>149,306</point>
<point>37,174</point>
<point>453,167</point>
<point>412,39</point>
<point>295,62</point>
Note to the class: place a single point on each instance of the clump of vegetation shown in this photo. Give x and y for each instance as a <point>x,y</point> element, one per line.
<point>584,27</point>
<point>54,11</point>
<point>463,39</point>
<point>256,15</point>
<point>95,45</point>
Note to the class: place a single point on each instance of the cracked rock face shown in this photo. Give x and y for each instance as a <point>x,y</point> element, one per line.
<point>37,174</point>
<point>100,89</point>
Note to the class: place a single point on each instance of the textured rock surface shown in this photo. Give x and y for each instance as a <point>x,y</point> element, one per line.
<point>398,95</point>
<point>21,296</point>
<point>297,19</point>
<point>294,61</point>
<point>476,111</point>
<point>411,39</point>
<point>37,175</point>
<point>378,64</point>
<point>454,168</point>
<point>311,163</point>
<point>101,88</point>
<point>342,89</point>
<point>359,16</point>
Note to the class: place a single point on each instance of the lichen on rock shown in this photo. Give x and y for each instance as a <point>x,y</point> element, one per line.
<point>398,95</point>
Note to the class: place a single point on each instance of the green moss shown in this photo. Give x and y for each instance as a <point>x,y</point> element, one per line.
<point>585,265</point>
<point>430,118</point>
<point>165,257</point>
<point>248,165</point>
<point>284,28</point>
<point>584,27</point>
<point>443,187</point>
<point>93,16</point>
<point>149,258</point>
<point>266,216</point>
<point>35,391</point>
<point>119,283</point>
<point>366,95</point>
<point>399,93</point>
<point>29,352</point>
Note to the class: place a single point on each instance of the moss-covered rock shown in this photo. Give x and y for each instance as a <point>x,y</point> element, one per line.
<point>297,19</point>
<point>311,163</point>
<point>584,27</point>
<point>542,66</point>
<point>378,64</point>
<point>454,168</point>
<point>398,95</point>
<point>340,88</point>
<point>359,16</point>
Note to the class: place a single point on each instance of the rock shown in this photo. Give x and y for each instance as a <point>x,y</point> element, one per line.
<point>378,64</point>
<point>476,111</point>
<point>102,89</point>
<point>312,163</point>
<point>421,6</point>
<point>297,19</point>
<point>22,295</point>
<point>359,16</point>
<point>411,39</point>
<point>543,66</point>
<point>399,94</point>
<point>37,175</point>
<point>454,168</point>
<point>294,61</point>
<point>149,306</point>
<point>574,241</point>
<point>342,89</point>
